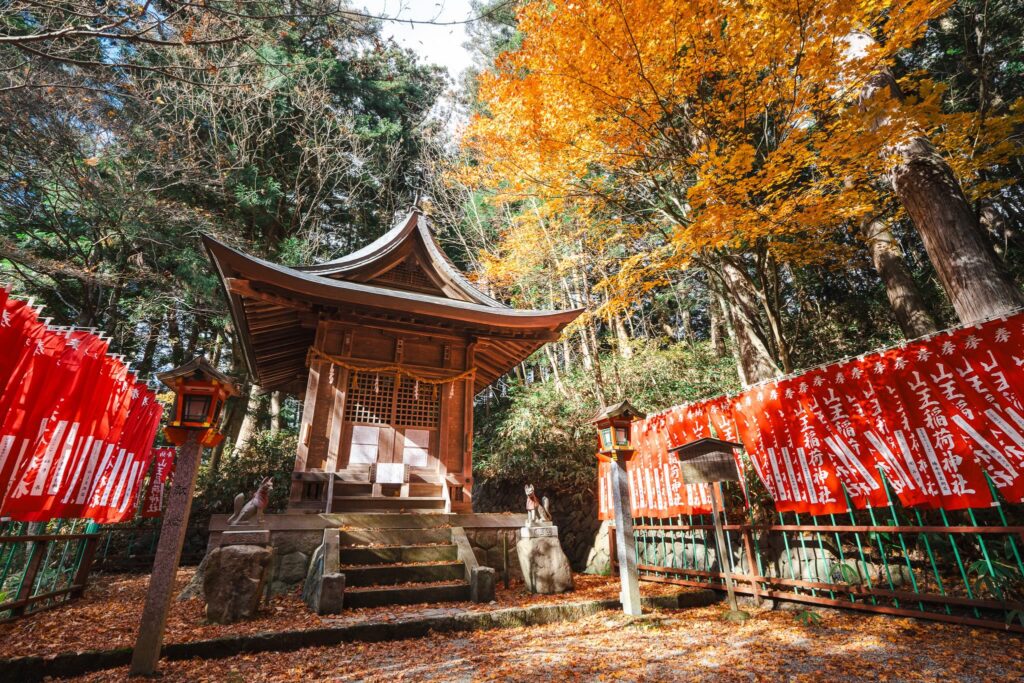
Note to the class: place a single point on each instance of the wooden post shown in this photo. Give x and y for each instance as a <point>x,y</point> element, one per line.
<point>85,562</point>
<point>724,552</point>
<point>630,592</point>
<point>748,546</point>
<point>37,550</point>
<point>168,554</point>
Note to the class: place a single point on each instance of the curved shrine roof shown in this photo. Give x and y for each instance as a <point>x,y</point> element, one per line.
<point>402,278</point>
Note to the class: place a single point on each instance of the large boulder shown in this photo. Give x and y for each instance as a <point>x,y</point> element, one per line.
<point>234,581</point>
<point>545,567</point>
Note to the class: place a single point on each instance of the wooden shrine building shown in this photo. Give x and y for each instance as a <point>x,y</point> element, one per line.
<point>390,344</point>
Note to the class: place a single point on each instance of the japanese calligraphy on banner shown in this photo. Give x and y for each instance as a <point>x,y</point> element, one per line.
<point>928,423</point>
<point>163,466</point>
<point>76,428</point>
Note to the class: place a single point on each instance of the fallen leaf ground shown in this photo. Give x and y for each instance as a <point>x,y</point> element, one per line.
<point>687,645</point>
<point>666,645</point>
<point>107,617</point>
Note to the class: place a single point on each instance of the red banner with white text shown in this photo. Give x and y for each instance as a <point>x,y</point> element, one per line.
<point>928,423</point>
<point>76,429</point>
<point>163,468</point>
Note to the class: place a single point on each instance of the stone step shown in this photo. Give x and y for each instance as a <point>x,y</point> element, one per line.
<point>391,574</point>
<point>348,537</point>
<point>384,503</point>
<point>378,596</point>
<point>397,554</point>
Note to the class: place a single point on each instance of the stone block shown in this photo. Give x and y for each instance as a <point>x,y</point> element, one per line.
<point>481,556</point>
<point>234,581</point>
<point>496,558</point>
<point>481,584</point>
<point>484,538</point>
<point>244,537</point>
<point>332,594</point>
<point>544,565</point>
<point>292,568</point>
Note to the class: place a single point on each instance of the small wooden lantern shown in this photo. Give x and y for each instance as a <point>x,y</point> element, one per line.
<point>707,460</point>
<point>614,431</point>
<point>200,391</point>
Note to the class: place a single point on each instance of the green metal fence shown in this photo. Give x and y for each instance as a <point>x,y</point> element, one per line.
<point>964,567</point>
<point>44,564</point>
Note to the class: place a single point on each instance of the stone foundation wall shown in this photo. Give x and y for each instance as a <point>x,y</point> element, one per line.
<point>575,515</point>
<point>493,546</point>
<point>292,550</point>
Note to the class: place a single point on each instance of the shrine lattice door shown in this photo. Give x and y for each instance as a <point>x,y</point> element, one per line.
<point>389,421</point>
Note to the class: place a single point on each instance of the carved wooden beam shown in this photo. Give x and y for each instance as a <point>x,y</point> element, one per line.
<point>244,288</point>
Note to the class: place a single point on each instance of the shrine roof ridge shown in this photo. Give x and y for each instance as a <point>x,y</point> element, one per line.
<point>413,223</point>
<point>332,291</point>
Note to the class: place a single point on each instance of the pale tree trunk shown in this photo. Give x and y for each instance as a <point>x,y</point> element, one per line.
<point>248,427</point>
<point>718,332</point>
<point>904,297</point>
<point>753,357</point>
<point>968,270</point>
<point>556,375</point>
<point>622,337</point>
<point>275,412</point>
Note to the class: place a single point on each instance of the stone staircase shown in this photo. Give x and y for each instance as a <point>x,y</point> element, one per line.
<point>401,567</point>
<point>398,559</point>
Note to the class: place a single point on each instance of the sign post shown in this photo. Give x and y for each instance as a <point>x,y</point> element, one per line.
<point>710,461</point>
<point>168,555</point>
<point>200,393</point>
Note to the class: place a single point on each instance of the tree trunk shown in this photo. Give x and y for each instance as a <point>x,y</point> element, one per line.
<point>248,426</point>
<point>718,332</point>
<point>275,412</point>
<point>753,358</point>
<point>556,375</point>
<point>972,277</point>
<point>149,352</point>
<point>932,196</point>
<point>622,337</point>
<point>904,297</point>
<point>174,337</point>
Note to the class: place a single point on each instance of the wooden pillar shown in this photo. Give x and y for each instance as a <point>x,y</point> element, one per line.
<point>168,554</point>
<point>467,419</point>
<point>336,404</point>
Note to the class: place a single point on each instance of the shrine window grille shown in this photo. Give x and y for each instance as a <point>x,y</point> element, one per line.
<point>373,399</point>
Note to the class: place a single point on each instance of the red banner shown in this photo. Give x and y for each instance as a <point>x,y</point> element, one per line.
<point>163,467</point>
<point>928,423</point>
<point>75,428</point>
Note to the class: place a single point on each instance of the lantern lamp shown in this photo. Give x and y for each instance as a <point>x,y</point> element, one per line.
<point>200,392</point>
<point>614,430</point>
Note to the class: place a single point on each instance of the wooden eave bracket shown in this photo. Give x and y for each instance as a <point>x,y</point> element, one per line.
<point>244,288</point>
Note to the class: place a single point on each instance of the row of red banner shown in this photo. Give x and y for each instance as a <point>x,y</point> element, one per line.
<point>928,423</point>
<point>76,427</point>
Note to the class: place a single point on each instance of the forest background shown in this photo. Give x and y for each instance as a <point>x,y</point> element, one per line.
<point>732,191</point>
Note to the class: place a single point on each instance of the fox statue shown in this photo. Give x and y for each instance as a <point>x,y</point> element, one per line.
<point>536,511</point>
<point>244,512</point>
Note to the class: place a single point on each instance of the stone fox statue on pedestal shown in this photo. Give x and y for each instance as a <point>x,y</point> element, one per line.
<point>244,512</point>
<point>536,511</point>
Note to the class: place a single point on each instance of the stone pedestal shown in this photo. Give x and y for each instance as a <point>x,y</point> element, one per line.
<point>545,567</point>
<point>235,578</point>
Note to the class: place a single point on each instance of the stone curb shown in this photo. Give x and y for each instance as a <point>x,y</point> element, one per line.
<point>36,668</point>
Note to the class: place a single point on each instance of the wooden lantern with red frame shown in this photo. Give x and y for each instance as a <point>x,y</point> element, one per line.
<point>614,431</point>
<point>200,392</point>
